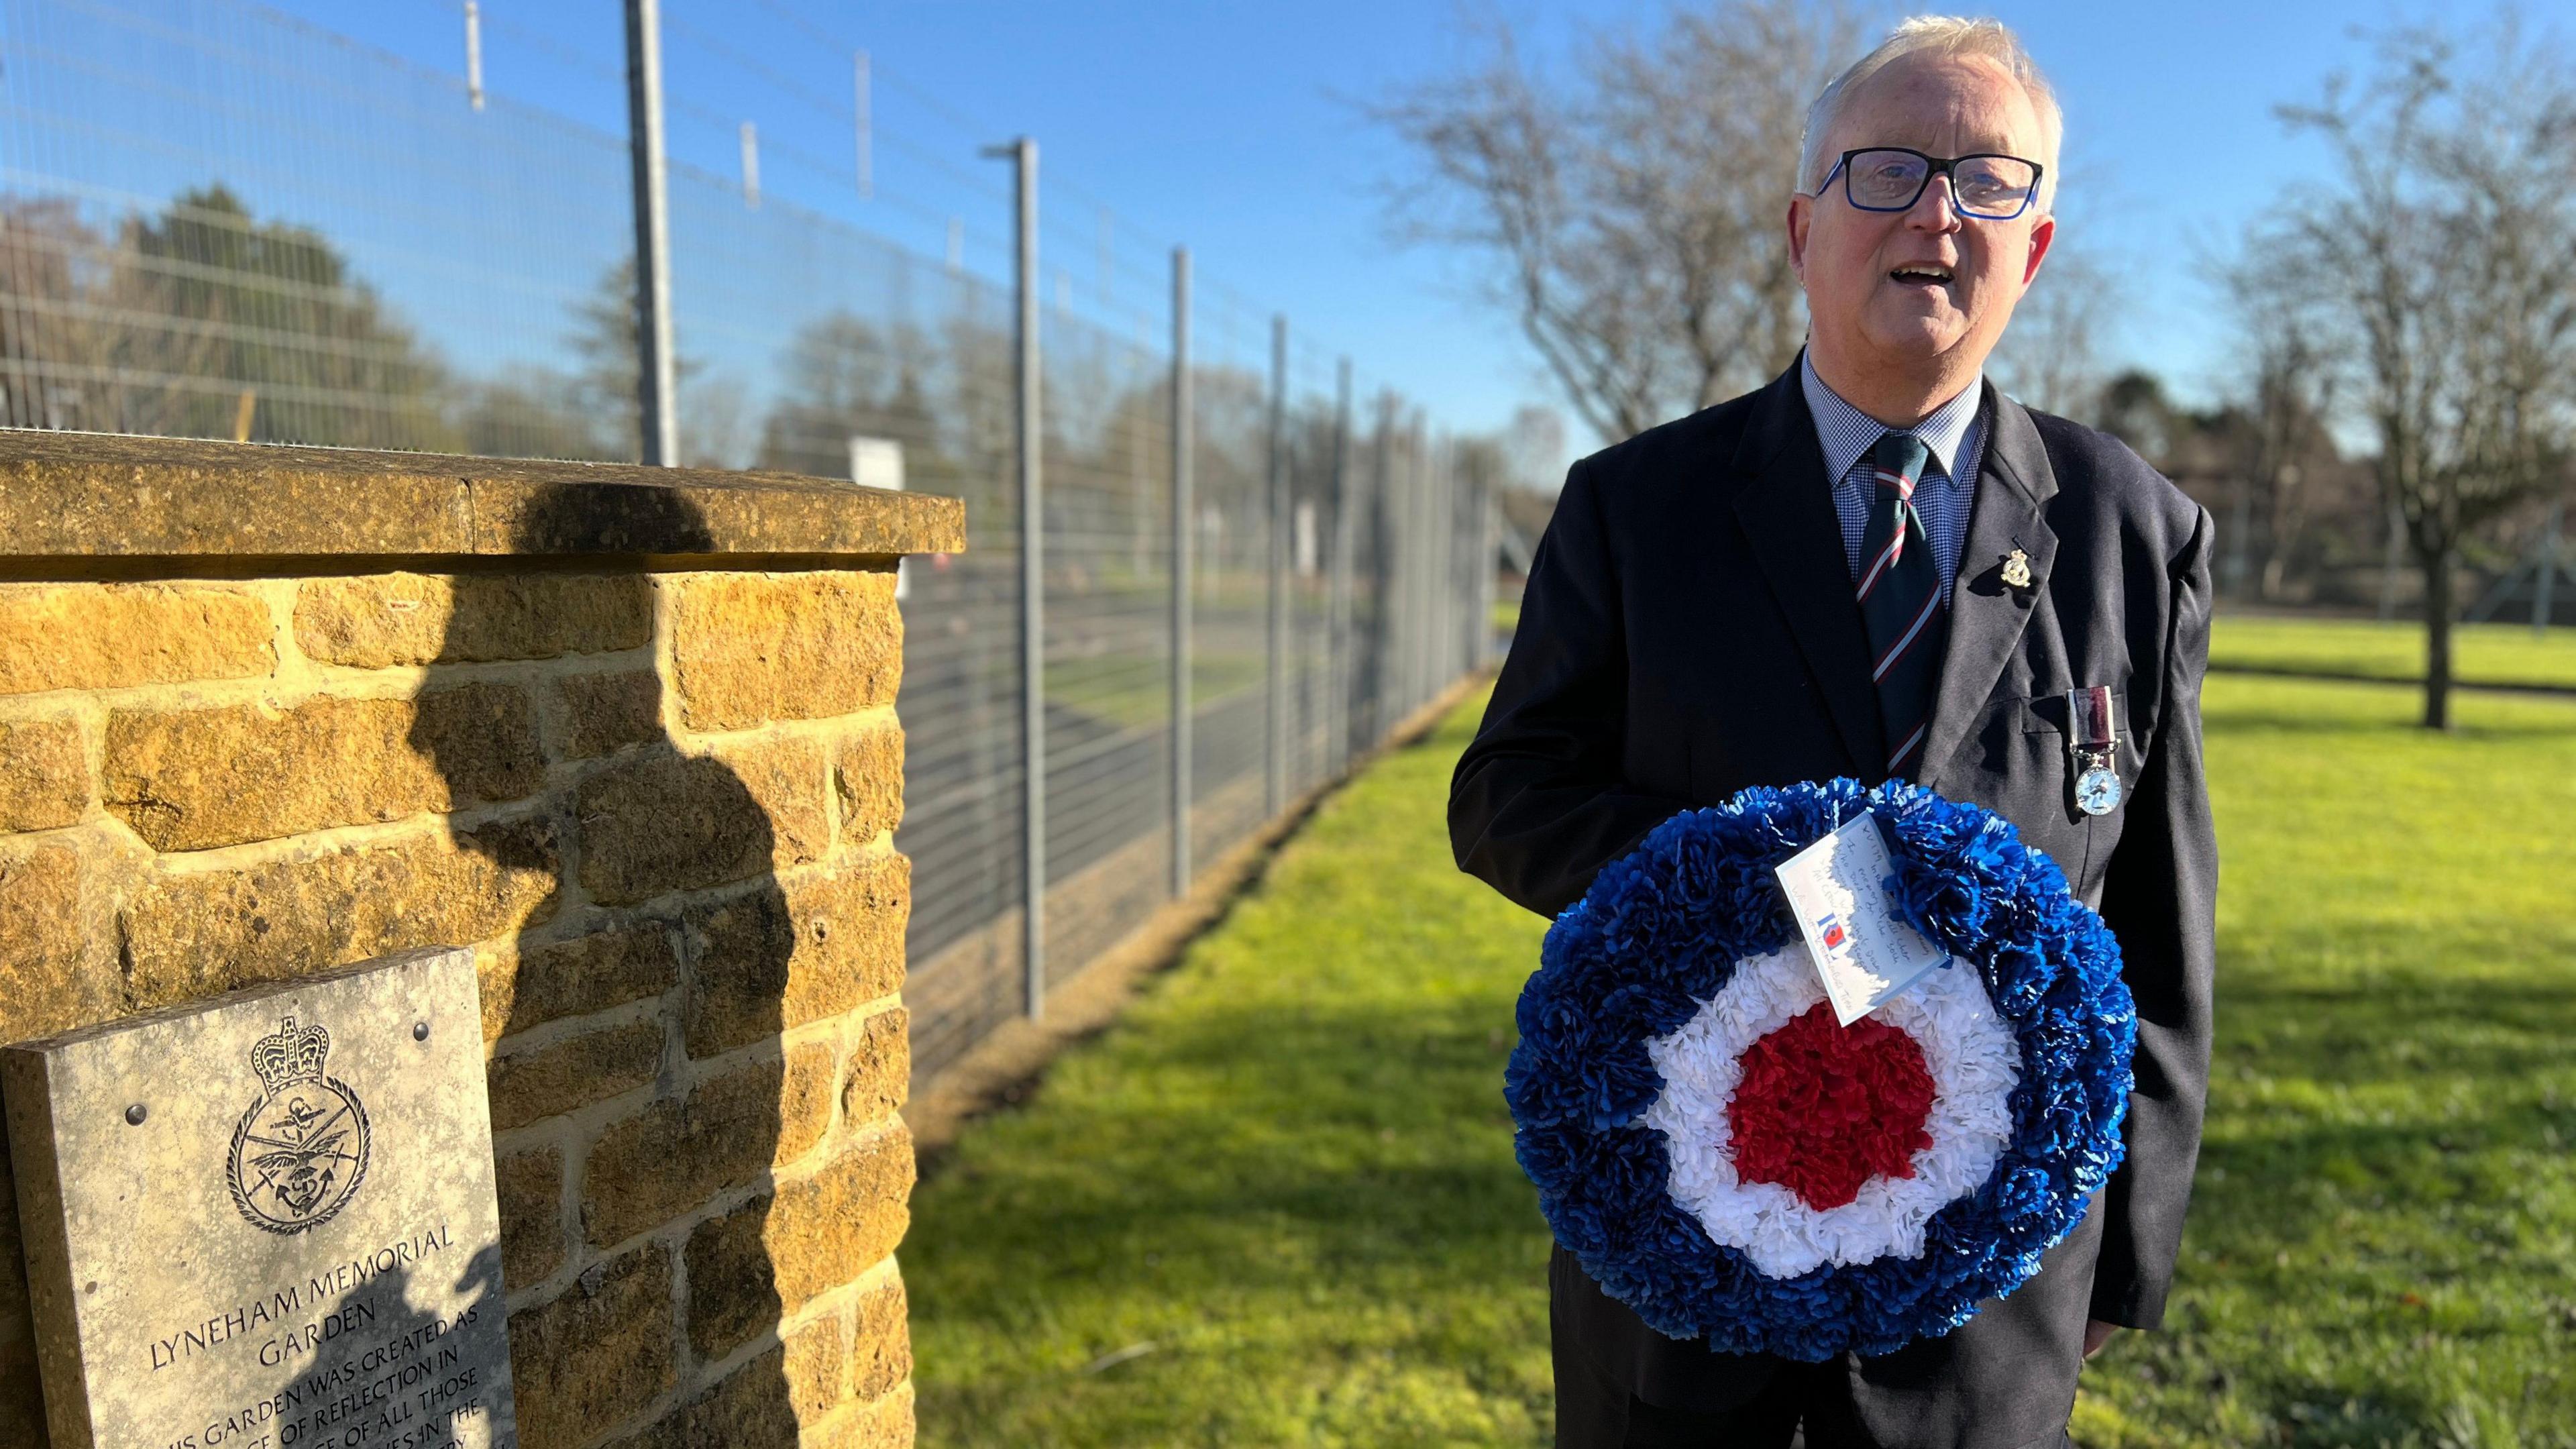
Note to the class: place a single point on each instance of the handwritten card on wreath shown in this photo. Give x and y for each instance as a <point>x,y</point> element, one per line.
<point>1864,952</point>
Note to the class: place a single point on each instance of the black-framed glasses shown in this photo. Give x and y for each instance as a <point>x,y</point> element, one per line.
<point>1989,186</point>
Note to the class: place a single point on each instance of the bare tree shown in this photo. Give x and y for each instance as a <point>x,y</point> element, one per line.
<point>1637,211</point>
<point>2291,385</point>
<point>2434,265</point>
<point>2049,357</point>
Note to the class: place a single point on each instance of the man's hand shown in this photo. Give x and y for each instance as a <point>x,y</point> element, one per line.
<point>2096,1334</point>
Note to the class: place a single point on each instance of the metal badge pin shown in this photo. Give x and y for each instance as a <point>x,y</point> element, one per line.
<point>2093,742</point>
<point>2016,570</point>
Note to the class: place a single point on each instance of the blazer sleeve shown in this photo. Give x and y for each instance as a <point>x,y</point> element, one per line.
<point>1539,802</point>
<point>2160,897</point>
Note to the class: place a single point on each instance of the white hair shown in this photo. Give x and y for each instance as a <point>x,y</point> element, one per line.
<point>1938,35</point>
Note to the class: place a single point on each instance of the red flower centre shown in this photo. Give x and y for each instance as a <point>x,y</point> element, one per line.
<point>1823,1108</point>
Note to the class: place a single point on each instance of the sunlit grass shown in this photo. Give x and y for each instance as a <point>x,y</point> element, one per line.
<point>2490,653</point>
<point>2382,1245</point>
<point>1289,1170</point>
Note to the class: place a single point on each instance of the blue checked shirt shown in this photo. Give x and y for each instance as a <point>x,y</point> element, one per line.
<point>1943,495</point>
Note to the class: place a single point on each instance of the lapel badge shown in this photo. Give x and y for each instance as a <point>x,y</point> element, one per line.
<point>2016,570</point>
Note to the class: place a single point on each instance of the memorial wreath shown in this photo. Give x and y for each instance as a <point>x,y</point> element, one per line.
<point>1724,1158</point>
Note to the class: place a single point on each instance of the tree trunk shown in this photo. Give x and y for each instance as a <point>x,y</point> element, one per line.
<point>2437,639</point>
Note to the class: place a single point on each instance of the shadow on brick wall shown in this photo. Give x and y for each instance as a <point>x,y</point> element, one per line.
<point>643,1237</point>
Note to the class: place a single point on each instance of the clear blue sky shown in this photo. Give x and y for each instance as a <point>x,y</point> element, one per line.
<point>1234,127</point>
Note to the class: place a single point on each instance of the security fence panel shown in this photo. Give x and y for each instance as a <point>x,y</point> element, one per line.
<point>1229,682</point>
<point>810,347</point>
<point>1108,644</point>
<point>219,221</point>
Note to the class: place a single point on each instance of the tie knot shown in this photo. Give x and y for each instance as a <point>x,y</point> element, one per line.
<point>1898,457</point>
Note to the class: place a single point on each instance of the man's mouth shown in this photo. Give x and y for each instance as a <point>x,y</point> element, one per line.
<point>1921,274</point>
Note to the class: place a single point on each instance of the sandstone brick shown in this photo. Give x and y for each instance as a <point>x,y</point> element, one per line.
<point>603,713</point>
<point>885,1423</point>
<point>804,1100</point>
<point>44,774</point>
<point>43,948</point>
<point>666,822</point>
<point>771,959</point>
<point>106,636</point>
<point>590,1358</point>
<point>881,1344</point>
<point>675,1154</point>
<point>532,1234</point>
<point>529,987</point>
<point>755,647</point>
<point>572,1073</point>
<point>813,1366</point>
<point>193,779</point>
<point>402,618</point>
<point>761,1405</point>
<point>867,774</point>
<point>879,1074</point>
<point>191,934</point>
<point>773,1255</point>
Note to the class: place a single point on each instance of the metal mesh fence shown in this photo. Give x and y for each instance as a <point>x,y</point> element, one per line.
<point>219,221</point>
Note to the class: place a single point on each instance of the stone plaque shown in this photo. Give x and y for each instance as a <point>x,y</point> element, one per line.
<point>266,1221</point>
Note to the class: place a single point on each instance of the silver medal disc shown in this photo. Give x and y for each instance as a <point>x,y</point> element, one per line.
<point>2097,791</point>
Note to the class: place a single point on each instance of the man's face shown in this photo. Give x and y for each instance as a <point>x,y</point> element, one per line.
<point>1924,288</point>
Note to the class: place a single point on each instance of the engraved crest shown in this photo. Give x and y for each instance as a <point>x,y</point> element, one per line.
<point>301,1150</point>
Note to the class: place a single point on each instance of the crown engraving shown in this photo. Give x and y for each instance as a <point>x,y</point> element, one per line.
<point>290,1055</point>
<point>300,1151</point>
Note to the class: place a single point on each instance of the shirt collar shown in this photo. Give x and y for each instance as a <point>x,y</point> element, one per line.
<point>1845,432</point>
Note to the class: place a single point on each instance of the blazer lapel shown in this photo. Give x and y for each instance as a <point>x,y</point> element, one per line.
<point>1986,617</point>
<point>1785,504</point>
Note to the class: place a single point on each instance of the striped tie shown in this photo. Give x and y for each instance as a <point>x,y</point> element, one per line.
<point>1900,601</point>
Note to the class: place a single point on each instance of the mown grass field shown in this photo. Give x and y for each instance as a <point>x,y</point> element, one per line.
<point>2488,653</point>
<point>1276,1204</point>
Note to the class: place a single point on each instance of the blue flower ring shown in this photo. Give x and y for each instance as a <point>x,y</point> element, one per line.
<point>1732,1166</point>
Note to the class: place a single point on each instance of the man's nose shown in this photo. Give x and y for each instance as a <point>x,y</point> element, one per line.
<point>1937,208</point>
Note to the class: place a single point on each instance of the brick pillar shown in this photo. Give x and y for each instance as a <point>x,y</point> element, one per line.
<point>630,734</point>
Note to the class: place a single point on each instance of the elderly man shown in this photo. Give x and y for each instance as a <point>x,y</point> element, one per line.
<point>1879,566</point>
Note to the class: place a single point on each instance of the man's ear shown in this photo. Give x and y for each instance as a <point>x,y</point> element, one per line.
<point>1801,212</point>
<point>2041,234</point>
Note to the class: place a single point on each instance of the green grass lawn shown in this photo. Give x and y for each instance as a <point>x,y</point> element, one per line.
<point>1276,1204</point>
<point>2494,653</point>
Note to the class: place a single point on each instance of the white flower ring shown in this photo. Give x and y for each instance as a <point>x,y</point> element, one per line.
<point>1974,1065</point>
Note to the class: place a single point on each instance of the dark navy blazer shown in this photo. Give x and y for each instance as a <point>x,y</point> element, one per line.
<point>1690,629</point>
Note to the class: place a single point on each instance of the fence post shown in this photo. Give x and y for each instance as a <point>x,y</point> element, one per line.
<point>1417,623</point>
<point>1276,775</point>
<point>1023,154</point>
<point>1184,536</point>
<point>1489,547</point>
<point>2547,573</point>
<point>656,385</point>
<point>1444,569</point>
<point>1337,607</point>
<point>474,54</point>
<point>1381,562</point>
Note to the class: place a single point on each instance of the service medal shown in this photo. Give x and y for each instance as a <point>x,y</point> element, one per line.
<point>2092,744</point>
<point>2097,791</point>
